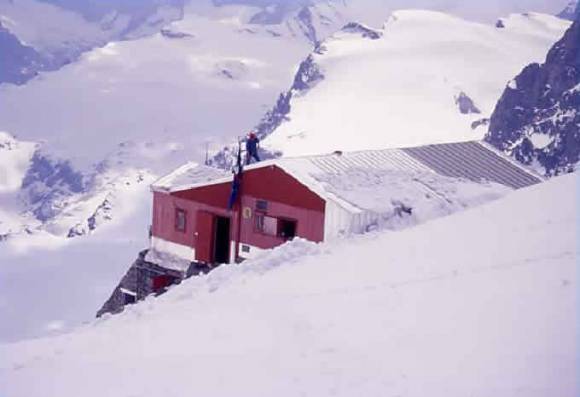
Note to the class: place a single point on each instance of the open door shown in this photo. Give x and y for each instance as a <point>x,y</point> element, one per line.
<point>222,240</point>
<point>204,237</point>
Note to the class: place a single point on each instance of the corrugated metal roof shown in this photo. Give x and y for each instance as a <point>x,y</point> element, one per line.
<point>471,160</point>
<point>474,161</point>
<point>369,159</point>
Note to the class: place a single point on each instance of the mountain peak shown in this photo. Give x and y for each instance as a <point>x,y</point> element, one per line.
<point>571,12</point>
<point>363,30</point>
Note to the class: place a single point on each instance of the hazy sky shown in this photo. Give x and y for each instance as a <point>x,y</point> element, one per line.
<point>486,10</point>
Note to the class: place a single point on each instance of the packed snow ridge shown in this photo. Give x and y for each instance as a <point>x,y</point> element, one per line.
<point>470,304</point>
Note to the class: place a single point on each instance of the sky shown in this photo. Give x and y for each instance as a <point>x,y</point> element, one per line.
<point>487,10</point>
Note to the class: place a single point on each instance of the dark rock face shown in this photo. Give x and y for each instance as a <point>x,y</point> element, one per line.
<point>46,182</point>
<point>306,25</point>
<point>537,119</point>
<point>307,76</point>
<point>172,34</point>
<point>478,123</point>
<point>465,104</point>
<point>365,32</point>
<point>18,63</point>
<point>102,213</point>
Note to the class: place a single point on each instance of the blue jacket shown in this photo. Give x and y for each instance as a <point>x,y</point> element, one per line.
<point>252,145</point>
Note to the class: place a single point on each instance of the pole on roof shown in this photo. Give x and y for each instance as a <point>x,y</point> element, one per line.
<point>238,174</point>
<point>206,152</point>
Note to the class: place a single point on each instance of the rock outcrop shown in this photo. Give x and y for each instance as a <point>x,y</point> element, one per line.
<point>537,119</point>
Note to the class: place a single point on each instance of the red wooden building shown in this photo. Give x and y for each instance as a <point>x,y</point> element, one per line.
<point>284,198</point>
<point>315,197</point>
<point>194,222</point>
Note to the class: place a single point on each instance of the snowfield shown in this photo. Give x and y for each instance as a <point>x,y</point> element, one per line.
<point>480,303</point>
<point>14,161</point>
<point>424,78</point>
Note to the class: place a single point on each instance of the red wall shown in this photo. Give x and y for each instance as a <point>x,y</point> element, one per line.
<point>287,198</point>
<point>164,206</point>
<point>310,224</point>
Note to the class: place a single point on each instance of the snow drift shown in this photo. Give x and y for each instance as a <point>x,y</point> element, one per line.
<point>479,303</point>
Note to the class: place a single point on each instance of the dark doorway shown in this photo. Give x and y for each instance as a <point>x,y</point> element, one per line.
<point>287,229</point>
<point>222,240</point>
<point>129,299</point>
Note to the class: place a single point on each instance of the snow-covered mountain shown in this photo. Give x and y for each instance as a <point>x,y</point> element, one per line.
<point>14,163</point>
<point>537,119</point>
<point>180,88</point>
<point>424,77</point>
<point>396,313</point>
<point>54,33</point>
<point>41,194</point>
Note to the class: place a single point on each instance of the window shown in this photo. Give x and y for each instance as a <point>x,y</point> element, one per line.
<point>261,205</point>
<point>271,226</point>
<point>129,297</point>
<point>267,225</point>
<point>180,220</point>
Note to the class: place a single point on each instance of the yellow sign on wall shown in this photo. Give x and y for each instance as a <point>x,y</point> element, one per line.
<point>247,212</point>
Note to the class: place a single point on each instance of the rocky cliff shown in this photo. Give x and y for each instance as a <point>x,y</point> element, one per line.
<point>537,119</point>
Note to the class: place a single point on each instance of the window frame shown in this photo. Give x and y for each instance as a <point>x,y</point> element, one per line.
<point>261,206</point>
<point>178,212</point>
<point>278,220</point>
<point>258,215</point>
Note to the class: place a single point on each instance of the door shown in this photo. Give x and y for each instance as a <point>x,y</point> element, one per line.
<point>204,237</point>
<point>222,240</point>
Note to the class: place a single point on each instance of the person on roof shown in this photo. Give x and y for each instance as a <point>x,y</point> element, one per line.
<point>252,148</point>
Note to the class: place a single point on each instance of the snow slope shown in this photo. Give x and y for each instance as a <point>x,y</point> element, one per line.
<point>425,77</point>
<point>122,114</point>
<point>14,161</point>
<point>409,313</point>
